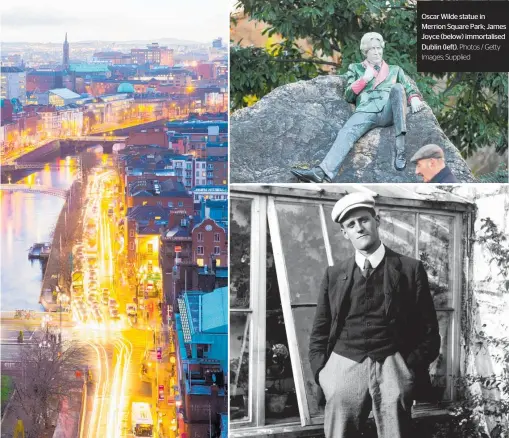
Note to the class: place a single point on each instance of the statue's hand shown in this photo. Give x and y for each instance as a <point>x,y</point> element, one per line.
<point>368,74</point>
<point>416,104</point>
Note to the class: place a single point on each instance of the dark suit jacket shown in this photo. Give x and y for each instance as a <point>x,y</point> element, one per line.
<point>444,176</point>
<point>408,302</point>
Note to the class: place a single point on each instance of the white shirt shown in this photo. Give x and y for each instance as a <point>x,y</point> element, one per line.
<point>375,259</point>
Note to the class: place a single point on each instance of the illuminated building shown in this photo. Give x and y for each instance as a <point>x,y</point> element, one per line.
<point>218,193</point>
<point>209,239</point>
<point>153,54</point>
<point>62,121</point>
<point>111,58</point>
<point>61,97</point>
<point>202,353</point>
<point>13,83</point>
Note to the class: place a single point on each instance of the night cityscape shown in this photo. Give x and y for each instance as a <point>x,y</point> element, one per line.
<point>114,263</point>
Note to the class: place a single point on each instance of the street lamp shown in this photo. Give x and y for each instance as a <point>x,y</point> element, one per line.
<point>44,344</point>
<point>61,298</point>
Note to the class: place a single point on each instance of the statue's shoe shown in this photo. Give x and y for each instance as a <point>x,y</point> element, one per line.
<point>400,160</point>
<point>400,155</point>
<point>316,175</point>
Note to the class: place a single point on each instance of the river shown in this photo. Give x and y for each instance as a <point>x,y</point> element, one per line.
<point>27,218</point>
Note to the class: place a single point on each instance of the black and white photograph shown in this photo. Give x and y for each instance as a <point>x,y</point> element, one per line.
<point>369,310</point>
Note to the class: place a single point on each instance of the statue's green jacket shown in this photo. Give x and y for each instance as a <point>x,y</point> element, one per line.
<point>373,97</point>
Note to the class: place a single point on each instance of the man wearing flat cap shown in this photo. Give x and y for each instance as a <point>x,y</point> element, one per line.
<point>375,331</point>
<point>430,164</point>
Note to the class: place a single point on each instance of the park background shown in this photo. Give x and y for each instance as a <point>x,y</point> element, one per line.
<point>276,43</point>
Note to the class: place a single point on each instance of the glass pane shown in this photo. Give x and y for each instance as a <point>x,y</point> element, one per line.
<point>240,253</point>
<point>304,250</point>
<point>341,247</point>
<point>397,231</point>
<point>239,365</point>
<point>440,376</point>
<point>280,397</point>
<point>436,252</point>
<point>304,317</point>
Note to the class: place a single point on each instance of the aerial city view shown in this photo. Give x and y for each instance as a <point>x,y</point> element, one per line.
<point>114,199</point>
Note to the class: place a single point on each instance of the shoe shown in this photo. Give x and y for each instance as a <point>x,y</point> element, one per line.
<point>400,156</point>
<point>316,175</point>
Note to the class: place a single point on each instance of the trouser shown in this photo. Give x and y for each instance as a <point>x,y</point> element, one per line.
<point>354,389</point>
<point>394,112</point>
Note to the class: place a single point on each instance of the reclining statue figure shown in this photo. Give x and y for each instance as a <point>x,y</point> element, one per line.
<point>380,92</point>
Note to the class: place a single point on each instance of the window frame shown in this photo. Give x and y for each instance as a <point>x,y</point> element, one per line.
<point>257,310</point>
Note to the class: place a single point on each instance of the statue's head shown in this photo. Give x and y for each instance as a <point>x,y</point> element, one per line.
<point>372,47</point>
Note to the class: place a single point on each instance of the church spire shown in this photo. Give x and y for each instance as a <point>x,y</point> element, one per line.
<point>65,58</point>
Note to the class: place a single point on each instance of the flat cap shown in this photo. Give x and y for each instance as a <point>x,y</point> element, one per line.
<point>350,202</point>
<point>428,151</point>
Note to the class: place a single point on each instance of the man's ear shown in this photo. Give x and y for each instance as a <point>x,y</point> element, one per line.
<point>377,219</point>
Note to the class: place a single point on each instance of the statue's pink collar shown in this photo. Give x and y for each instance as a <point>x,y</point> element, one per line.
<point>381,75</point>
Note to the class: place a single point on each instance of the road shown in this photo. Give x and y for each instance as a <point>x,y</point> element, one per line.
<point>118,346</point>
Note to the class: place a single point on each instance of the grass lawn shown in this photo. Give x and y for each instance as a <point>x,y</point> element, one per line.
<point>7,388</point>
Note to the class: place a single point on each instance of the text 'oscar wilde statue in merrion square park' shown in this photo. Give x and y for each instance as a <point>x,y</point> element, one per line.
<point>380,92</point>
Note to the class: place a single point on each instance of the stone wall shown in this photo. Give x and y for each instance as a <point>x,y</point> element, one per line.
<point>297,124</point>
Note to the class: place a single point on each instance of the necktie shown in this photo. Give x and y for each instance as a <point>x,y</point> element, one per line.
<point>368,269</point>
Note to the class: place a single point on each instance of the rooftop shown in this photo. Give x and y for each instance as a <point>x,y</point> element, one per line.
<point>11,69</point>
<point>89,68</point>
<point>65,93</point>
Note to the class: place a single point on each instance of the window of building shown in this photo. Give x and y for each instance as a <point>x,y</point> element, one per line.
<point>144,203</point>
<point>200,237</point>
<point>280,246</point>
<point>131,233</point>
<point>199,262</point>
<point>131,246</point>
<point>199,250</point>
<point>217,250</point>
<point>181,204</point>
<point>150,248</point>
<point>170,204</point>
<point>217,237</point>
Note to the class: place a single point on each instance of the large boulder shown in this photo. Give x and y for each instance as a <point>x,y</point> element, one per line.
<point>297,123</point>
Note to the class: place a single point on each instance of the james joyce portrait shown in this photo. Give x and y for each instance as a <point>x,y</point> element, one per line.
<point>347,307</point>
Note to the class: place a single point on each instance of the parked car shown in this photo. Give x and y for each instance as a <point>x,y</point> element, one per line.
<point>114,313</point>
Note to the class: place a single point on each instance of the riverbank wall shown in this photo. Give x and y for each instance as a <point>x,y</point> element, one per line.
<point>65,232</point>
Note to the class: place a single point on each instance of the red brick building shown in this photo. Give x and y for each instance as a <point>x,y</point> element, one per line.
<point>206,70</point>
<point>217,171</point>
<point>209,239</point>
<point>154,136</point>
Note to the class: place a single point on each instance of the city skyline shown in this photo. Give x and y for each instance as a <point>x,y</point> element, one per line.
<point>34,23</point>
